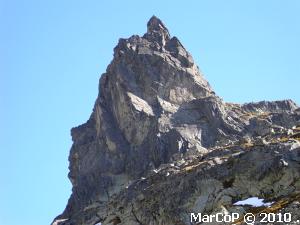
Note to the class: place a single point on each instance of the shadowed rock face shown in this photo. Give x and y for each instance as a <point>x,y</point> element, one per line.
<point>157,117</point>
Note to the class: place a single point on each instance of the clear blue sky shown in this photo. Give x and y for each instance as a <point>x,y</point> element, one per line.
<point>52,54</point>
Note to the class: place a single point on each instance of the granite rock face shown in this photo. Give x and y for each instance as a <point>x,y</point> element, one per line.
<point>160,143</point>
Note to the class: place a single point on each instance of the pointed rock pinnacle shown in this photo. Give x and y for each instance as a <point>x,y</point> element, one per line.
<point>157,31</point>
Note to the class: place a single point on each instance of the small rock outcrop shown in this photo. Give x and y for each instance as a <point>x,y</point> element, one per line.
<point>161,144</point>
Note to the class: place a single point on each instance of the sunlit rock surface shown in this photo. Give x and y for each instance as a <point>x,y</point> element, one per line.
<point>161,144</point>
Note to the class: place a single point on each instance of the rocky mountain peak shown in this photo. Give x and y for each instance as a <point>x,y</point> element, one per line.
<point>160,142</point>
<point>157,31</point>
<point>156,25</point>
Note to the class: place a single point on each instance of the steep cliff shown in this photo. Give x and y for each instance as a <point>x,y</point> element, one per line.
<point>160,143</point>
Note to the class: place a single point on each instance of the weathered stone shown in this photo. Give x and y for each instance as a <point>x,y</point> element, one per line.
<point>160,143</point>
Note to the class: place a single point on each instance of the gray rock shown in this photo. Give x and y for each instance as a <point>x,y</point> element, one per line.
<point>160,143</point>
<point>271,107</point>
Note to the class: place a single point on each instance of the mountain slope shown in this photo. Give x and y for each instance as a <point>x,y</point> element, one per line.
<point>160,143</point>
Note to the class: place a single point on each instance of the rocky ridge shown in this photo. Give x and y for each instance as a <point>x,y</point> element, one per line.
<point>161,144</point>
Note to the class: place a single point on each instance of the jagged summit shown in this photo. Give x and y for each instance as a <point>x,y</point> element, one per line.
<point>159,139</point>
<point>157,30</point>
<point>155,25</point>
